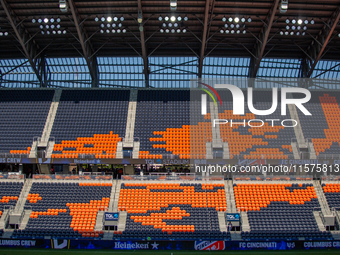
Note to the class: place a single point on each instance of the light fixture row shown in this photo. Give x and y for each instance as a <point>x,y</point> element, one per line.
<point>173,18</point>
<point>300,21</point>
<point>113,31</point>
<point>232,31</point>
<point>236,19</point>
<point>53,32</point>
<point>3,33</point>
<point>46,20</point>
<point>109,19</point>
<point>178,30</point>
<point>113,25</point>
<point>298,33</point>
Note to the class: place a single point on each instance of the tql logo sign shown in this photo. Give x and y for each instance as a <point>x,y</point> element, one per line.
<point>238,100</point>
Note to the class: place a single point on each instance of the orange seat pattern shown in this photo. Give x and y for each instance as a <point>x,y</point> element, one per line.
<point>331,188</point>
<point>240,143</point>
<point>21,151</point>
<point>6,199</point>
<point>33,198</point>
<point>142,198</point>
<point>253,197</point>
<point>331,110</point>
<point>103,146</point>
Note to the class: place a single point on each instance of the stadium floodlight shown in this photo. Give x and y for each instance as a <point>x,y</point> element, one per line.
<point>244,32</point>
<point>6,33</point>
<point>52,20</point>
<point>122,18</point>
<point>170,24</point>
<point>227,31</point>
<point>243,20</point>
<point>41,27</point>
<point>64,32</point>
<point>298,28</point>
<point>186,18</point>
<point>58,26</point>
<point>161,30</point>
<point>249,20</point>
<point>238,31</point>
<point>46,20</point>
<point>102,25</point>
<point>312,22</point>
<point>63,5</point>
<point>113,25</point>
<point>293,21</point>
<point>54,32</point>
<point>102,19</point>
<point>109,19</point>
<point>237,19</point>
<point>107,31</point>
<point>297,33</point>
<point>221,31</point>
<point>58,20</point>
<point>118,31</point>
<point>59,32</point>
<point>172,30</point>
<point>124,30</point>
<point>120,25</point>
<point>292,33</point>
<point>184,30</point>
<point>281,32</point>
<point>287,21</point>
<point>47,26</point>
<point>42,32</point>
<point>115,18</point>
<point>284,6</point>
<point>293,27</point>
<point>304,28</point>
<point>226,25</point>
<point>303,33</point>
<point>164,25</point>
<point>306,21</point>
<point>101,31</point>
<point>1,33</point>
<point>166,18</point>
<point>178,30</point>
<point>176,25</point>
<point>52,26</point>
<point>173,18</point>
<point>237,26</point>
<point>287,27</point>
<point>167,30</point>
<point>47,32</point>
<point>108,25</point>
<point>179,18</point>
<point>140,17</point>
<point>224,19</point>
<point>113,31</point>
<point>33,20</point>
<point>232,25</point>
<point>39,20</point>
<point>230,19</point>
<point>286,33</point>
<point>173,5</point>
<point>160,18</point>
<point>96,19</point>
<point>232,31</point>
<point>300,21</point>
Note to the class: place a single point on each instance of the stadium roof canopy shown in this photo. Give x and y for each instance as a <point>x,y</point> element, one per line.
<point>145,43</point>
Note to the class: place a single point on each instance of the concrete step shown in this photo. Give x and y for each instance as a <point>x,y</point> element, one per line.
<point>236,235</point>
<point>122,221</point>
<point>107,236</point>
<point>99,221</point>
<point>7,233</point>
<point>23,196</point>
<point>245,221</point>
<point>25,219</point>
<point>319,221</point>
<point>221,221</point>
<point>4,219</point>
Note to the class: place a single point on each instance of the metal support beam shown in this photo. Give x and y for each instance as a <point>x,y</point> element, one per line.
<point>144,53</point>
<point>29,46</point>
<point>86,46</point>
<point>315,49</point>
<point>204,38</point>
<point>44,71</point>
<point>260,45</point>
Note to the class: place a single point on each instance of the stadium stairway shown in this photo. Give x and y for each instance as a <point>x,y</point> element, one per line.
<point>297,129</point>
<point>230,197</point>
<point>221,221</point>
<point>131,118</point>
<point>215,130</point>
<point>326,212</point>
<point>4,218</point>
<point>116,195</point>
<point>244,221</point>
<point>122,221</point>
<point>23,196</point>
<point>25,219</point>
<point>319,221</point>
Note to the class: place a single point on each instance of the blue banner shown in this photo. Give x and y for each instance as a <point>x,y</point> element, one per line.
<point>233,217</point>
<point>111,216</point>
